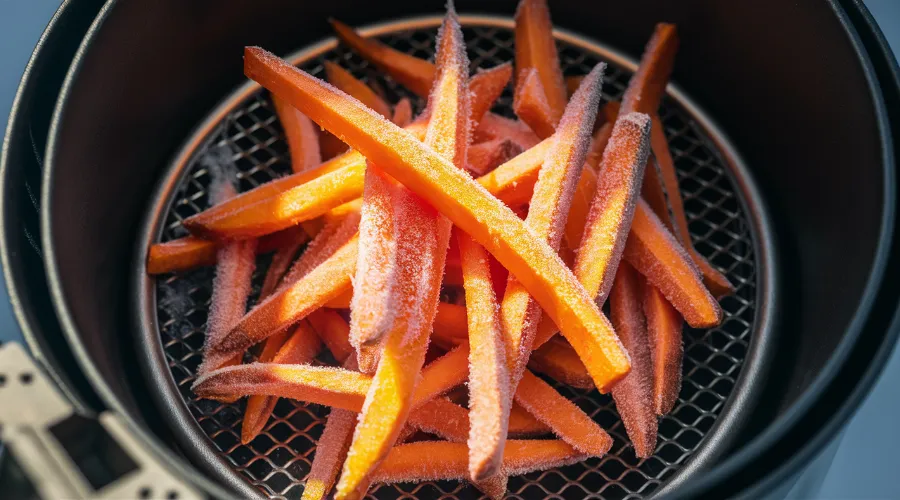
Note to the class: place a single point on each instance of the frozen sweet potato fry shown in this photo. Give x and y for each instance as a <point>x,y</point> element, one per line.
<point>300,347</point>
<point>331,450</point>
<point>443,418</point>
<point>494,126</point>
<point>460,198</point>
<point>522,424</point>
<point>612,209</point>
<point>342,301</point>
<point>290,304</point>
<point>489,398</point>
<point>513,182</point>
<point>413,73</point>
<point>648,85</point>
<point>235,263</point>
<point>442,374</point>
<point>634,394</point>
<point>717,283</point>
<point>342,79</point>
<point>650,244</point>
<point>334,332</point>
<point>301,135</point>
<point>557,359</point>
<point>664,326</point>
<point>564,418</point>
<point>402,112</point>
<point>335,387</point>
<point>330,146</point>
<point>450,325</point>
<point>547,212</point>
<point>572,83</point>
<point>531,106</point>
<point>419,260</point>
<point>536,48</point>
<point>442,460</point>
<point>654,194</point>
<point>488,155</point>
<point>486,86</point>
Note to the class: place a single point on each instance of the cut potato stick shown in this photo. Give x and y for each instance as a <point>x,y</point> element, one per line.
<point>191,252</point>
<point>523,424</point>
<point>442,460</point>
<point>301,135</point>
<point>460,198</point>
<point>423,236</point>
<point>548,209</point>
<point>334,332</point>
<point>564,417</point>
<point>664,326</point>
<point>342,79</point>
<point>290,304</point>
<point>557,359</point>
<point>648,85</point>
<point>649,243</point>
<point>717,283</point>
<point>489,397</point>
<point>531,106</point>
<point>488,155</point>
<point>413,73</point>
<point>536,48</point>
<point>634,394</point>
<point>331,450</point>
<point>235,263</point>
<point>300,347</point>
<point>402,112</point>
<point>618,185</point>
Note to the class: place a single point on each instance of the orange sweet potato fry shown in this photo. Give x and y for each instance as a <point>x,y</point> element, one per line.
<point>522,424</point>
<point>334,332</point>
<point>402,112</point>
<point>564,418</point>
<point>301,135</point>
<point>547,214</point>
<point>443,418</point>
<point>342,79</point>
<point>330,146</point>
<point>513,182</point>
<point>342,301</point>
<point>650,244</point>
<point>717,283</point>
<point>572,83</point>
<point>281,262</point>
<point>300,347</point>
<point>290,304</point>
<point>486,86</point>
<point>618,185</point>
<point>488,155</point>
<point>423,235</point>
<point>557,359</point>
<point>414,73</point>
<point>536,48</point>
<point>664,326</point>
<point>648,85</point>
<point>531,106</point>
<point>634,394</point>
<point>489,399</point>
<point>442,460</point>
<point>331,450</point>
<point>653,193</point>
<point>461,199</point>
<point>450,325</point>
<point>494,126</point>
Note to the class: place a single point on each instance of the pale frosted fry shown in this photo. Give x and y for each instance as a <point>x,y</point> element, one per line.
<point>536,48</point>
<point>299,347</point>
<point>618,188</point>
<point>342,79</point>
<point>531,106</point>
<point>557,359</point>
<point>664,326</point>
<point>456,195</point>
<point>655,253</point>
<point>402,112</point>
<point>441,460</point>
<point>489,397</point>
<point>420,256</point>
<point>634,394</point>
<point>564,418</point>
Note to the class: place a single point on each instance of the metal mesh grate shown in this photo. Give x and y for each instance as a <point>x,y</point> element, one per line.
<point>278,460</point>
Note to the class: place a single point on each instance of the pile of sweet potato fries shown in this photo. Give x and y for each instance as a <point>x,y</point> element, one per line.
<point>536,221</point>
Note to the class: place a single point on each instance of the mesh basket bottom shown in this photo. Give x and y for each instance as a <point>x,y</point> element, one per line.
<point>278,460</point>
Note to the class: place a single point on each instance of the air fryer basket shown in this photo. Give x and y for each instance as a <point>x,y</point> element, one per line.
<point>790,83</point>
<point>716,192</point>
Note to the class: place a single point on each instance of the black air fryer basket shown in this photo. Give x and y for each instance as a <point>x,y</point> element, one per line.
<point>779,117</point>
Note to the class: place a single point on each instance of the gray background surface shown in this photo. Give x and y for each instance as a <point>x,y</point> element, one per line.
<point>866,464</point>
